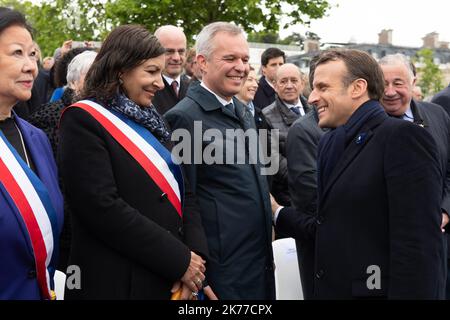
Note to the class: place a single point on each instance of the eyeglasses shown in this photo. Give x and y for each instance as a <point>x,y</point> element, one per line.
<point>170,52</point>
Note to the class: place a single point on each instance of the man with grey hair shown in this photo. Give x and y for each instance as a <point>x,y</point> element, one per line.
<point>233,197</point>
<point>398,102</point>
<point>176,84</point>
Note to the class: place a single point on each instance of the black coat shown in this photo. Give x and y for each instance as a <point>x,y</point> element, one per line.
<point>127,239</point>
<point>234,202</point>
<point>301,154</point>
<point>165,99</point>
<point>436,121</point>
<point>442,98</point>
<point>264,95</point>
<point>279,116</point>
<point>381,208</point>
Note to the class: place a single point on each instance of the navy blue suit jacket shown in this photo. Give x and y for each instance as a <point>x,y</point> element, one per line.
<point>381,207</point>
<point>17,268</point>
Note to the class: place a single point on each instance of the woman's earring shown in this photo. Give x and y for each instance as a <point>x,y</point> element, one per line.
<point>120,81</point>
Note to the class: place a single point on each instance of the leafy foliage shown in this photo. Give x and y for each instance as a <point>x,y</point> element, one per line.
<point>60,20</point>
<point>431,77</point>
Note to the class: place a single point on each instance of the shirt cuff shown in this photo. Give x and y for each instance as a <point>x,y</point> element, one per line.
<point>275,216</point>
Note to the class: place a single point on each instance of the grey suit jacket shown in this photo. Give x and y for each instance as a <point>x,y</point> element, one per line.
<point>234,201</point>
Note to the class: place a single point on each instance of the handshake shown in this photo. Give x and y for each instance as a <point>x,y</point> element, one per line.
<point>192,281</point>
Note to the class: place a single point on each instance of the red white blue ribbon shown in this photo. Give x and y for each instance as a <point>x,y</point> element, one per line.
<point>140,143</point>
<point>30,198</point>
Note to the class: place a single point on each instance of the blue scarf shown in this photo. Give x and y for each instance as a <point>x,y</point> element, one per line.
<point>333,144</point>
<point>147,117</point>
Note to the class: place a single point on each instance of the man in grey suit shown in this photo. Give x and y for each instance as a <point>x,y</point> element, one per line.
<point>397,101</point>
<point>233,197</point>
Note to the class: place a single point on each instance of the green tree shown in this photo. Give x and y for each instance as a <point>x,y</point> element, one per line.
<point>60,20</point>
<point>430,76</point>
<point>55,21</point>
<point>264,37</point>
<point>193,15</point>
<point>295,39</point>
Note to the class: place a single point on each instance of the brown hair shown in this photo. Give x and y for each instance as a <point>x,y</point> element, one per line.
<point>125,48</point>
<point>360,65</point>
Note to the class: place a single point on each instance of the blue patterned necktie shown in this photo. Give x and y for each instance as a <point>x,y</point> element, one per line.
<point>295,110</point>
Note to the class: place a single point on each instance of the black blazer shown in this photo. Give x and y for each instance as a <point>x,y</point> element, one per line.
<point>265,94</point>
<point>166,98</point>
<point>279,116</point>
<point>301,154</point>
<point>381,208</point>
<point>127,239</point>
<point>442,98</point>
<point>436,121</point>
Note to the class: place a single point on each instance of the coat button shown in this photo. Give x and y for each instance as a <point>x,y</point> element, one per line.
<point>319,220</point>
<point>163,197</point>
<point>181,231</point>
<point>320,274</point>
<point>32,274</point>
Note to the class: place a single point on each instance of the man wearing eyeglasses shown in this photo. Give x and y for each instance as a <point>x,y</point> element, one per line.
<point>175,83</point>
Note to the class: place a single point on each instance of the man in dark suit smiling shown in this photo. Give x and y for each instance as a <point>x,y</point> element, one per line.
<point>233,196</point>
<point>377,231</point>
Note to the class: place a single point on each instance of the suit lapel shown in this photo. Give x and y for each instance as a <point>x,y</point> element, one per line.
<point>353,149</point>
<point>209,102</point>
<point>184,84</point>
<point>288,116</point>
<point>268,90</point>
<point>419,117</point>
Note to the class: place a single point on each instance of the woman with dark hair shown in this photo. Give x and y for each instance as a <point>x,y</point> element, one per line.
<point>135,224</point>
<point>31,210</point>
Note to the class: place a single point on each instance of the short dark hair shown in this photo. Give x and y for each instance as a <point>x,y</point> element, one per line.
<point>9,17</point>
<point>271,53</point>
<point>125,48</point>
<point>360,65</point>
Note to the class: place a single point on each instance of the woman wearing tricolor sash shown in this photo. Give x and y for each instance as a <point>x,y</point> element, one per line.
<point>136,229</point>
<point>31,207</point>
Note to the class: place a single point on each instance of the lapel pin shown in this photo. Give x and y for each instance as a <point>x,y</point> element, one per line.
<point>360,138</point>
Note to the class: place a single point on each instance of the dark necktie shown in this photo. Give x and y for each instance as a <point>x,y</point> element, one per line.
<point>295,110</point>
<point>175,87</point>
<point>230,107</point>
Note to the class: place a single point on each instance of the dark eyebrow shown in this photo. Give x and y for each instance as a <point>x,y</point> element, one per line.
<point>151,65</point>
<point>320,85</point>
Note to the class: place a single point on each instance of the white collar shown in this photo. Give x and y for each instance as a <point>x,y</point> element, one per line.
<point>269,83</point>
<point>170,80</point>
<point>298,104</point>
<point>221,100</point>
<point>408,115</point>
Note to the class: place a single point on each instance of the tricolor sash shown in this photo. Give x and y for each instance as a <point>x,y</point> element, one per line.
<point>29,196</point>
<point>140,143</point>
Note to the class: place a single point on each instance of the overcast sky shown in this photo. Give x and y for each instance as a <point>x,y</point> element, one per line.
<point>362,20</point>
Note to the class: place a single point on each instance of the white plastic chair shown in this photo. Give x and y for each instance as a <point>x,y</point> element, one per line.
<point>288,285</point>
<point>60,284</point>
